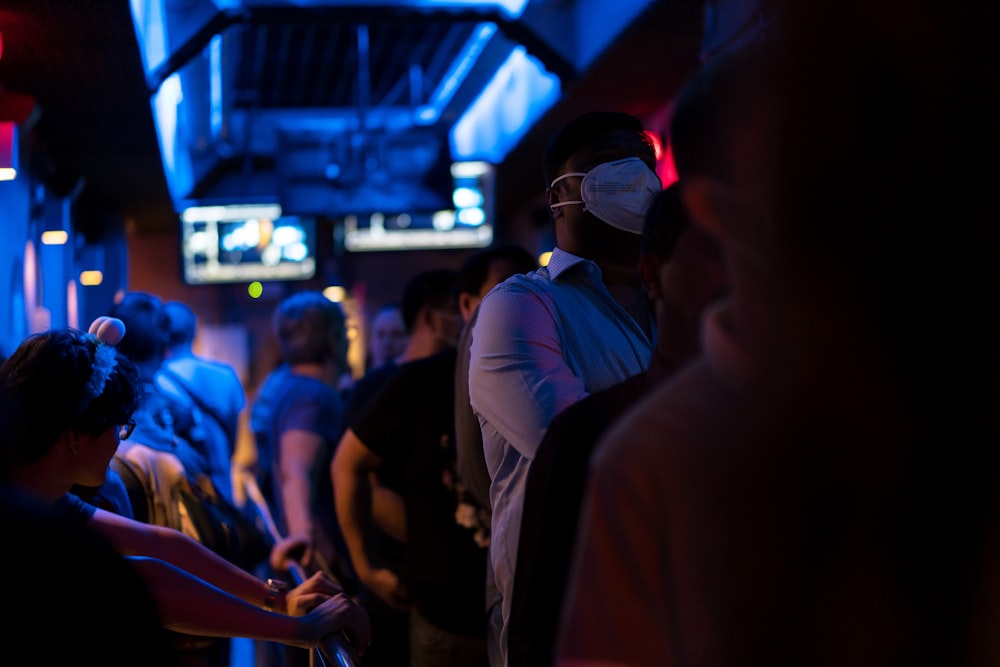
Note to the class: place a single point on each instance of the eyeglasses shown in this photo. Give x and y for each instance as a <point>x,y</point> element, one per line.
<point>125,430</point>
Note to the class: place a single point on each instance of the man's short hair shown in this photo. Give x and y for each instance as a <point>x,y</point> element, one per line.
<point>428,289</point>
<point>183,323</point>
<point>584,130</point>
<point>146,326</point>
<point>474,272</point>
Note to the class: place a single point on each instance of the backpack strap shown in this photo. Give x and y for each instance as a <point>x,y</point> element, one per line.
<point>209,410</point>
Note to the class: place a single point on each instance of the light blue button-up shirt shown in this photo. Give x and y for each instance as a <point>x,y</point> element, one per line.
<point>542,341</point>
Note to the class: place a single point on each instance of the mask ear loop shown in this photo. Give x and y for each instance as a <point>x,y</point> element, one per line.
<point>567,203</point>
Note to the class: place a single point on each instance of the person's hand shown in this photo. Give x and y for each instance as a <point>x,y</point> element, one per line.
<point>388,587</point>
<point>294,548</point>
<point>311,593</point>
<point>335,615</point>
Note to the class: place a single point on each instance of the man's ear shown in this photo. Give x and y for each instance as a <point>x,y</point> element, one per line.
<point>552,198</point>
<point>467,304</point>
<point>70,439</point>
<point>649,265</point>
<point>426,317</point>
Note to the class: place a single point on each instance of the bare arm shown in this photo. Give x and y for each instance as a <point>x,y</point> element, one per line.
<point>134,538</point>
<point>299,450</point>
<point>245,456</point>
<point>352,465</point>
<point>350,469</point>
<point>388,510</point>
<point>191,605</point>
<point>199,592</point>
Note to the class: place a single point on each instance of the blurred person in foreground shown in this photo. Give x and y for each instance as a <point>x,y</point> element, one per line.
<point>682,270</point>
<point>821,488</point>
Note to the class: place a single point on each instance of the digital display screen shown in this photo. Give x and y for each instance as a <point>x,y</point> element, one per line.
<point>244,242</point>
<point>467,221</point>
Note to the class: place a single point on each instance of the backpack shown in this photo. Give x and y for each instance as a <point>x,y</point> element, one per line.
<point>163,493</point>
<point>201,425</point>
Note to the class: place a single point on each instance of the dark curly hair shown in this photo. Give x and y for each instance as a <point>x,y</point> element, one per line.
<point>43,393</point>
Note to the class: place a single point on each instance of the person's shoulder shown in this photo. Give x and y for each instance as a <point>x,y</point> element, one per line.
<point>305,386</point>
<point>530,281</point>
<point>374,378</point>
<point>216,366</point>
<point>204,373</point>
<point>439,359</point>
<point>73,509</point>
<point>380,373</point>
<point>514,297</point>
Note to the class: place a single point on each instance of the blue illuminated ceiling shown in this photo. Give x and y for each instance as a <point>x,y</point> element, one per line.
<point>247,95</point>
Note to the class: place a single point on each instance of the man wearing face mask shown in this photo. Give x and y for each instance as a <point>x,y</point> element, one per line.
<point>546,339</point>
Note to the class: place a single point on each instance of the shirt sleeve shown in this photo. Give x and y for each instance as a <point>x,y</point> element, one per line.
<point>519,378</point>
<point>74,509</point>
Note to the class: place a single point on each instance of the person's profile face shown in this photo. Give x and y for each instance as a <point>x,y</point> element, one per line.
<point>577,230</point>
<point>446,320</point>
<point>388,337</point>
<point>96,452</point>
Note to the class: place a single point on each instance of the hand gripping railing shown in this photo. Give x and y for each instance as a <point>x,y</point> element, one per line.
<point>333,651</point>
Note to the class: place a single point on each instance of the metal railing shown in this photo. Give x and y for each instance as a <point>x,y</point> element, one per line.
<point>335,650</point>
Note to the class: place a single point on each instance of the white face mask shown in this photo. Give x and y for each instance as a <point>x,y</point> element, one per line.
<point>617,192</point>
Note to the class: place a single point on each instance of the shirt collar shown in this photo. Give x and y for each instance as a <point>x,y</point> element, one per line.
<point>561,261</point>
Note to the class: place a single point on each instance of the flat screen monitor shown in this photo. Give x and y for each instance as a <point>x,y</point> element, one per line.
<point>466,221</point>
<point>234,243</point>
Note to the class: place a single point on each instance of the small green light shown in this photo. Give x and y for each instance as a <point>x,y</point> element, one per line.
<point>255,289</point>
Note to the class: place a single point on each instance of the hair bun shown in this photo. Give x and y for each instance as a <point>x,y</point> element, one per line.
<point>108,330</point>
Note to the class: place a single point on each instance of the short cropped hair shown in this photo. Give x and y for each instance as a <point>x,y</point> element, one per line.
<point>310,329</point>
<point>183,323</point>
<point>428,289</point>
<point>47,386</point>
<point>474,272</point>
<point>584,130</point>
<point>146,326</point>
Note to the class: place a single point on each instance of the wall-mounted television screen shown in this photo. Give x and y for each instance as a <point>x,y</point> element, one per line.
<point>466,221</point>
<point>233,243</point>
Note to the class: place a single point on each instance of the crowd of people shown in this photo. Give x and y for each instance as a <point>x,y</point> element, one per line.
<point>741,419</point>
